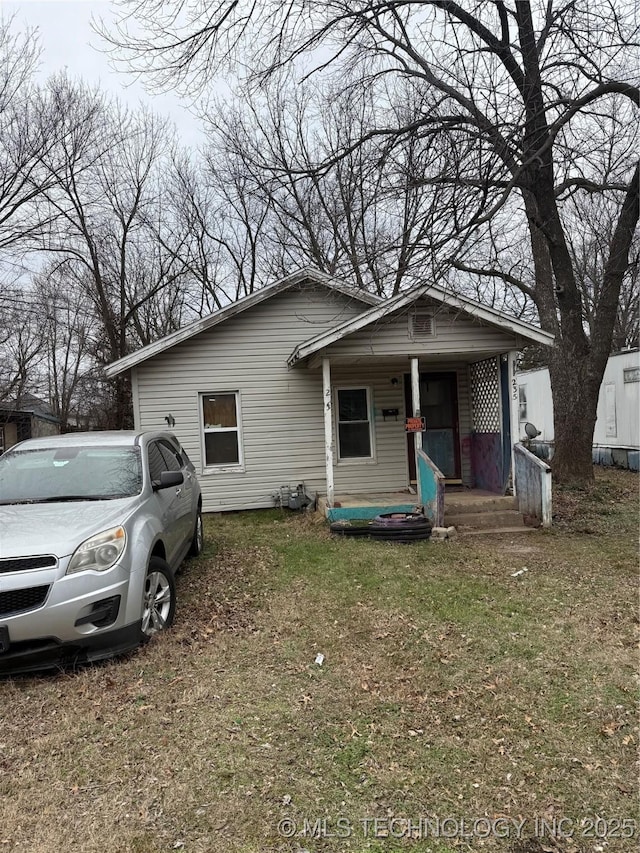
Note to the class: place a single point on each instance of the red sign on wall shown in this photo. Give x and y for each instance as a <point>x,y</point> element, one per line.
<point>415,424</point>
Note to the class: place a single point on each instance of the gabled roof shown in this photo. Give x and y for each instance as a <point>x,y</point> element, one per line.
<point>402,300</point>
<point>29,404</point>
<point>204,323</point>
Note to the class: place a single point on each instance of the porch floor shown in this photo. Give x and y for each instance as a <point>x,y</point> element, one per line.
<point>456,498</point>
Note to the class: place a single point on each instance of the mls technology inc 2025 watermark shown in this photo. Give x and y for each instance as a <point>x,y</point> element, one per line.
<point>593,827</point>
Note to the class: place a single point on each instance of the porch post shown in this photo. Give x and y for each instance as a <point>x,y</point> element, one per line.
<point>328,428</point>
<point>514,413</point>
<point>415,402</point>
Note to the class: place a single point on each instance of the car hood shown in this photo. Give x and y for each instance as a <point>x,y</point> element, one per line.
<point>31,529</point>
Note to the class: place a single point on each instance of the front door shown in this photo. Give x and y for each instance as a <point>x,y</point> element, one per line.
<point>439,407</point>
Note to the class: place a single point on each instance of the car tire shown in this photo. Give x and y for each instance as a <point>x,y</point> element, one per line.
<point>158,599</point>
<point>401,536</point>
<point>348,528</point>
<point>197,542</point>
<point>400,527</point>
<point>404,520</point>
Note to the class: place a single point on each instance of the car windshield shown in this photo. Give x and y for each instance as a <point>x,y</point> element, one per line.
<point>69,474</point>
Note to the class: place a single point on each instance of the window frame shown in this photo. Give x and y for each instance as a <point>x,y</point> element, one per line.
<point>354,460</point>
<point>523,404</point>
<point>230,466</point>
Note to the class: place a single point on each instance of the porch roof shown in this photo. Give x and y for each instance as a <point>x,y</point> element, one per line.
<point>526,331</point>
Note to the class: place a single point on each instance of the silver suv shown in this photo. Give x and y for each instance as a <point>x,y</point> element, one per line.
<point>93,527</point>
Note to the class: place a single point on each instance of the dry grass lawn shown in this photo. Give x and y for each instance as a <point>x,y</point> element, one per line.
<point>458,707</point>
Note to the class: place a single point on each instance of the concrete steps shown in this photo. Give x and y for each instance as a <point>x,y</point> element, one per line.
<point>490,515</point>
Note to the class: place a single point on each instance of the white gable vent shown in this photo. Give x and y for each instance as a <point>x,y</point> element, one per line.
<point>421,324</point>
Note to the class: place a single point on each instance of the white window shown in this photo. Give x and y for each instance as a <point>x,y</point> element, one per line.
<point>222,442</point>
<point>355,440</point>
<point>522,403</point>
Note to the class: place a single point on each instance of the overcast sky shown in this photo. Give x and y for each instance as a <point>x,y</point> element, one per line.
<point>67,40</point>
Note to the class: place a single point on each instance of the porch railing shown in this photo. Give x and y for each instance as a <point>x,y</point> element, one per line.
<point>431,481</point>
<point>533,485</point>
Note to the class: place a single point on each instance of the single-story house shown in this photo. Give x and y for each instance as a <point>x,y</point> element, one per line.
<point>27,417</point>
<point>310,381</point>
<point>616,437</point>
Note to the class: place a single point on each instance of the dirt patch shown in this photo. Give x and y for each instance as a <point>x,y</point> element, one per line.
<point>223,594</point>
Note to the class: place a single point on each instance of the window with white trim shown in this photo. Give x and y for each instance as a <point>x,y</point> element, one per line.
<point>522,403</point>
<point>221,430</point>
<point>355,440</point>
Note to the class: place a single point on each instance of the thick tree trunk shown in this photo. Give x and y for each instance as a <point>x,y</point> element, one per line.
<point>576,372</point>
<point>120,416</point>
<point>575,391</point>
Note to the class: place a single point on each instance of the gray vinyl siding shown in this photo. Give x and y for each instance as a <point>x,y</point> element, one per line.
<point>454,333</point>
<point>281,409</point>
<point>389,470</point>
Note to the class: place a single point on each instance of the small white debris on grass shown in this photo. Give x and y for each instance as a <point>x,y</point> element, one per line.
<point>439,534</point>
<point>319,659</point>
<point>520,572</point>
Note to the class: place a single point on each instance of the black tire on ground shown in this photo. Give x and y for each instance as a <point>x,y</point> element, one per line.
<point>401,535</point>
<point>348,528</point>
<point>402,520</point>
<point>158,599</point>
<point>197,542</point>
<point>408,529</point>
<point>411,533</point>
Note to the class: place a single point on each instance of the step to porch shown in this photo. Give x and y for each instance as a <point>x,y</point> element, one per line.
<point>470,511</point>
<point>471,514</point>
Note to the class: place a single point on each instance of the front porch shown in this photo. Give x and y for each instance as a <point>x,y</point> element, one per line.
<point>418,394</point>
<point>463,507</point>
<point>350,507</point>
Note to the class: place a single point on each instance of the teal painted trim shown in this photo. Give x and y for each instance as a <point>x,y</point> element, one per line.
<point>351,513</point>
<point>428,488</point>
<point>431,489</point>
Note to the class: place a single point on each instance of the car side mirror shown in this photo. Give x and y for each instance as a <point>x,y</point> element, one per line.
<point>168,479</point>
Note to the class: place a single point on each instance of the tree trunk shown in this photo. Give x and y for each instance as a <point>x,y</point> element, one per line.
<point>575,398</point>
<point>120,415</point>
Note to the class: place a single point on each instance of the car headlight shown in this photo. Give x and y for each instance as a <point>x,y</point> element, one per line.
<point>99,552</point>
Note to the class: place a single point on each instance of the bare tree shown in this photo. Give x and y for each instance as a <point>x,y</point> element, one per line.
<point>539,88</point>
<point>105,191</point>
<point>277,166</point>
<point>22,345</point>
<point>589,238</point>
<point>30,128</point>
<point>66,322</point>
<point>209,226</point>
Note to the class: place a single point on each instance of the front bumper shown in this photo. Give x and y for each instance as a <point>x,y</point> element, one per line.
<point>81,617</point>
<point>47,653</point>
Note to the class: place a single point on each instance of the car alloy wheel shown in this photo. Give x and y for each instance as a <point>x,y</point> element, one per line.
<point>159,598</point>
